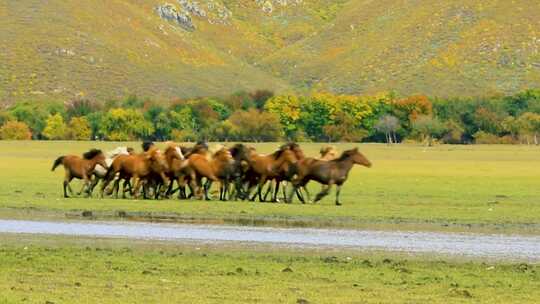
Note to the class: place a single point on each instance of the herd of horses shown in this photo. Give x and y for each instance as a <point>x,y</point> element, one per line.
<point>240,171</point>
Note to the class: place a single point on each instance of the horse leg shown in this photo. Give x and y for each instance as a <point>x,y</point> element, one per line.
<point>307,193</point>
<point>269,189</point>
<point>276,191</point>
<point>323,193</point>
<point>207,186</point>
<point>137,185</point>
<point>95,181</point>
<point>86,185</point>
<point>338,190</point>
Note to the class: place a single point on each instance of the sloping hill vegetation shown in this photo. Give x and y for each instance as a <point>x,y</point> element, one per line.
<point>106,49</point>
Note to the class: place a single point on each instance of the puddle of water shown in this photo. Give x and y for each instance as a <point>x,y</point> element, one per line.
<point>476,245</point>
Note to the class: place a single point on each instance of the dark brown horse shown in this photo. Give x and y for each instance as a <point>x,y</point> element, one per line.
<point>80,168</point>
<point>329,173</point>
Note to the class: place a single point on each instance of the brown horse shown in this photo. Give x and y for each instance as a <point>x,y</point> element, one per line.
<point>178,170</point>
<point>286,172</point>
<point>80,168</point>
<point>266,167</point>
<point>328,173</point>
<point>140,167</point>
<point>217,168</point>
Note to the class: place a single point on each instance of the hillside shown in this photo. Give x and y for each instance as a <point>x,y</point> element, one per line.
<point>104,49</point>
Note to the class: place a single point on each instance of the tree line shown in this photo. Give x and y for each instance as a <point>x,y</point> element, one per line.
<point>262,116</point>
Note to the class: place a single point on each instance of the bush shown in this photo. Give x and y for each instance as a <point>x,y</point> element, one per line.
<point>185,135</point>
<point>484,138</point>
<point>55,127</point>
<point>15,130</point>
<point>79,129</point>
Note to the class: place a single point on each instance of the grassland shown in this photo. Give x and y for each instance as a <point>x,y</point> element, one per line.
<point>465,188</point>
<point>64,270</point>
<point>107,49</point>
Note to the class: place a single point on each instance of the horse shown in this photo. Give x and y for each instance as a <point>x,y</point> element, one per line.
<point>266,167</point>
<point>287,171</point>
<point>240,168</point>
<point>139,167</point>
<point>80,168</point>
<point>328,173</point>
<point>100,171</point>
<point>217,168</point>
<point>328,153</point>
<point>178,169</point>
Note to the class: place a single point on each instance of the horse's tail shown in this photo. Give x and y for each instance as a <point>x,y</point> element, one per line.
<point>57,162</point>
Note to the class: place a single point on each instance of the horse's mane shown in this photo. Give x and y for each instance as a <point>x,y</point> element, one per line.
<point>280,151</point>
<point>91,154</point>
<point>147,145</point>
<point>290,145</point>
<point>345,155</point>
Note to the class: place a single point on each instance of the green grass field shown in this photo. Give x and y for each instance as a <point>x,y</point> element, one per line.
<point>492,188</point>
<point>63,270</point>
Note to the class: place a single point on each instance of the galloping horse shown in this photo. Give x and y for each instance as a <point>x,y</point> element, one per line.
<point>100,171</point>
<point>139,167</point>
<point>328,173</point>
<point>286,171</point>
<point>266,167</point>
<point>80,168</point>
<point>216,169</point>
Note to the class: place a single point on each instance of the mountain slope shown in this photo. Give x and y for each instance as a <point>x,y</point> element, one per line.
<point>454,47</point>
<point>105,49</point>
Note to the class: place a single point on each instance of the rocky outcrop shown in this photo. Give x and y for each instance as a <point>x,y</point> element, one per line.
<point>209,10</point>
<point>169,12</point>
<point>267,6</point>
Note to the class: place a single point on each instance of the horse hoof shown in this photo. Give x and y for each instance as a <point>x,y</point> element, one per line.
<point>338,204</point>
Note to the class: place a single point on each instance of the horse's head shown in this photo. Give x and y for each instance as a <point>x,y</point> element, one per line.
<point>223,155</point>
<point>328,153</point>
<point>239,152</point>
<point>287,156</point>
<point>299,154</point>
<point>173,151</point>
<point>156,158</point>
<point>358,157</point>
<point>97,156</point>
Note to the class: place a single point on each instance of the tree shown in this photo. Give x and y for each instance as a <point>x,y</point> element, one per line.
<point>529,125</point>
<point>81,107</point>
<point>94,120</point>
<point>345,128</point>
<point>125,124</point>
<point>79,128</point>
<point>15,130</point>
<point>407,110</point>
<point>315,115</point>
<point>488,120</point>
<point>428,128</point>
<point>388,125</point>
<point>253,125</point>
<point>32,115</point>
<point>55,127</point>
<point>260,97</point>
<point>287,108</point>
<point>454,132</point>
